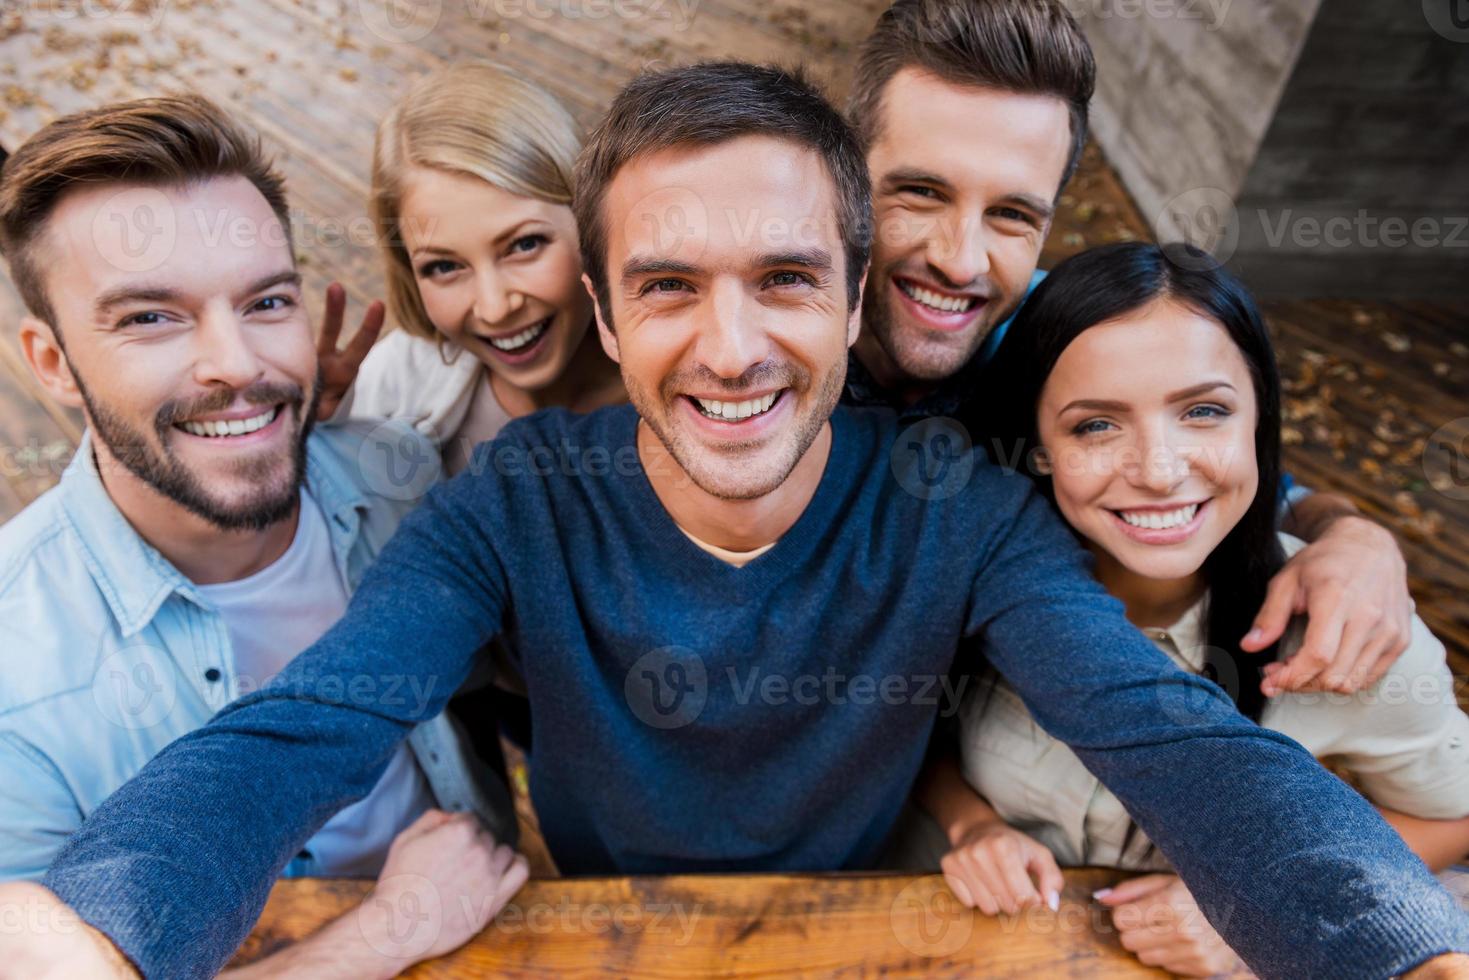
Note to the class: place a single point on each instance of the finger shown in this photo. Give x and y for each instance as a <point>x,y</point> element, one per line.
<point>1133,889</point>
<point>1373,667</point>
<point>993,872</point>
<point>331,318</point>
<point>1014,870</point>
<point>1357,635</point>
<point>500,859</point>
<point>1146,934</point>
<point>1281,599</point>
<point>512,881</point>
<point>1047,873</point>
<point>367,332</point>
<point>1325,619</point>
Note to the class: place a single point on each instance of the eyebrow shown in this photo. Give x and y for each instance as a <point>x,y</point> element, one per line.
<point>1183,394</point>
<point>814,259</point>
<point>911,175</point>
<point>167,294</point>
<point>1043,208</point>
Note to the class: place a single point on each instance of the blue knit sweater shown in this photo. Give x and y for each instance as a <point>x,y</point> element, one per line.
<point>689,715</point>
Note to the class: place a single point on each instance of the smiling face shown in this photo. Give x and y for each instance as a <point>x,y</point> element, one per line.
<point>732,334</point>
<point>199,374</point>
<point>498,274</point>
<point>964,180</point>
<point>1148,423</point>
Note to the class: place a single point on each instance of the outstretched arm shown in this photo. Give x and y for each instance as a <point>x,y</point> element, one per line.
<point>1296,871</point>
<point>175,866</point>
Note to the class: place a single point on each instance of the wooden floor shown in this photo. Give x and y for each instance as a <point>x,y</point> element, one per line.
<point>1369,383</point>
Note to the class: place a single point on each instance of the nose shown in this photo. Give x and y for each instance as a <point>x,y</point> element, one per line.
<point>494,298</point>
<point>732,334</point>
<point>959,250</point>
<point>1161,464</point>
<point>225,356</point>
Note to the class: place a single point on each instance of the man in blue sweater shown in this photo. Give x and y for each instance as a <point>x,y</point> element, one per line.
<point>732,604</point>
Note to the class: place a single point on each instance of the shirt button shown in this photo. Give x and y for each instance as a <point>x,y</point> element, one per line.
<point>212,674</point>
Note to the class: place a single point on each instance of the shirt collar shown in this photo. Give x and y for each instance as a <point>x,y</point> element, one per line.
<point>1187,634</point>
<point>133,576</point>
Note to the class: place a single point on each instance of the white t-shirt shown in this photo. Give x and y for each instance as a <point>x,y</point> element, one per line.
<point>271,617</point>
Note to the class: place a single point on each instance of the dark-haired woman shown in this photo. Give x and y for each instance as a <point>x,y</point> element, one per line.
<point>1140,390</point>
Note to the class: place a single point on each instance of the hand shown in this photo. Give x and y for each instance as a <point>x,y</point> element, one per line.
<point>43,939</point>
<point>1449,966</point>
<point>991,867</point>
<point>1160,922</point>
<point>339,367</point>
<point>1352,584</point>
<point>444,880</point>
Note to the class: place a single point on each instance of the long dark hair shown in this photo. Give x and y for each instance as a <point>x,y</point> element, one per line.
<point>1106,283</point>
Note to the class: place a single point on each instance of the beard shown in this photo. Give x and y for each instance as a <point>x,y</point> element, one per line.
<point>909,349</point>
<point>739,478</point>
<point>151,460</point>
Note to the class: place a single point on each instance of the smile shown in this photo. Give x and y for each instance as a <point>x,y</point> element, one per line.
<point>731,411</point>
<point>522,340</point>
<point>231,427</point>
<point>1159,520</point>
<point>938,302</point>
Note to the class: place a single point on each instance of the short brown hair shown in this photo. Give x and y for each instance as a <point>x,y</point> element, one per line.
<point>1030,47</point>
<point>711,103</point>
<point>161,141</point>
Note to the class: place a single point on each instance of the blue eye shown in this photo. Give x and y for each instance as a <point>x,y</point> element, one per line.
<point>528,243</point>
<point>1212,412</point>
<point>1091,426</point>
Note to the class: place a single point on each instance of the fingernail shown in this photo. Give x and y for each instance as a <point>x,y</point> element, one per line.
<point>1099,895</point>
<point>1053,899</point>
<point>1253,635</point>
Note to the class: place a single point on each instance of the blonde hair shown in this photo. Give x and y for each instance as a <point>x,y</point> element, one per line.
<point>473,118</point>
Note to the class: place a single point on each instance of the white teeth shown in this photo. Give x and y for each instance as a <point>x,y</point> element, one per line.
<point>1160,520</point>
<point>737,411</point>
<point>230,427</point>
<point>526,337</point>
<point>944,304</point>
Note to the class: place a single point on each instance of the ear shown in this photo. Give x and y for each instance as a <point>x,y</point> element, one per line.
<point>604,332</point>
<point>47,361</point>
<point>854,319</point>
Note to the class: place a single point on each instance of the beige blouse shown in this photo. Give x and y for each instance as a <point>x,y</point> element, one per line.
<point>1404,742</point>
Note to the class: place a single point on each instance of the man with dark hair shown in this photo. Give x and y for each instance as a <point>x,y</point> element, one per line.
<point>729,602</point>
<point>973,114</point>
<point>204,533</point>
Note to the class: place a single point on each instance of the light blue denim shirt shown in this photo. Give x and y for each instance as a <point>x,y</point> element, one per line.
<point>108,653</point>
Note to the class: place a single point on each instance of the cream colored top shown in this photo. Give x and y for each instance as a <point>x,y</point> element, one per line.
<point>405,377</point>
<point>1405,742</point>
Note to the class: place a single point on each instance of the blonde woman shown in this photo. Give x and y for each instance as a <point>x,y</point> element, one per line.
<point>471,192</point>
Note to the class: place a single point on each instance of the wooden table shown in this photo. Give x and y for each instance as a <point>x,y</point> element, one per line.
<point>747,925</point>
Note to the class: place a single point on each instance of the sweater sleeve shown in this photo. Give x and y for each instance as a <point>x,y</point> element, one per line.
<point>176,865</point>
<point>1296,871</point>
